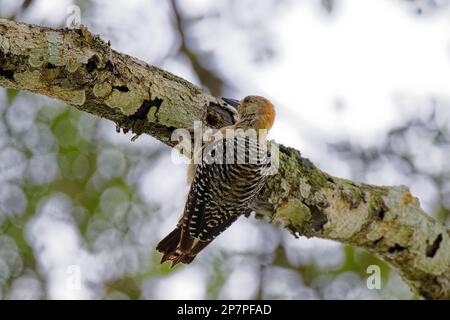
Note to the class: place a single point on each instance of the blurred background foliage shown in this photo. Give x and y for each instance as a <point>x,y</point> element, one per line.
<point>74,192</point>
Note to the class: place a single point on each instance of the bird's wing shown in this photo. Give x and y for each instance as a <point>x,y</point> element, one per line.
<point>220,192</point>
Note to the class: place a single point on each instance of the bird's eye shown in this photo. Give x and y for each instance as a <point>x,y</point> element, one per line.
<point>247,99</point>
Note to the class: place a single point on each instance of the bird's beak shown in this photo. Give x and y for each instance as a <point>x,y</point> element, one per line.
<point>232,102</point>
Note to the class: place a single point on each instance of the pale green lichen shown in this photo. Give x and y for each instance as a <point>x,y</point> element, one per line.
<point>317,179</point>
<point>169,115</point>
<point>293,214</point>
<point>74,97</point>
<point>343,222</point>
<point>5,44</point>
<point>352,212</point>
<point>440,261</point>
<point>151,116</point>
<point>154,114</point>
<point>352,194</point>
<point>101,90</point>
<point>78,97</point>
<point>37,57</point>
<point>32,80</point>
<point>408,226</point>
<point>319,198</point>
<point>73,63</point>
<point>55,52</point>
<point>284,185</point>
<point>305,188</point>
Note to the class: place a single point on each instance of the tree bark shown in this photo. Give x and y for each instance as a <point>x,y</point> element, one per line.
<point>82,70</point>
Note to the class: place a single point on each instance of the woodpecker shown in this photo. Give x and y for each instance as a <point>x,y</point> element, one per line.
<point>221,191</point>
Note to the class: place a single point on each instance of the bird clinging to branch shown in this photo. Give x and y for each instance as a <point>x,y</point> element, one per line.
<point>225,183</point>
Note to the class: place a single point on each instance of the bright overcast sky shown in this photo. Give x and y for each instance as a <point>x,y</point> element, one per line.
<point>368,54</point>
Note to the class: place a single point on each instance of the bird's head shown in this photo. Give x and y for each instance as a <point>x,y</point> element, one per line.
<point>257,110</point>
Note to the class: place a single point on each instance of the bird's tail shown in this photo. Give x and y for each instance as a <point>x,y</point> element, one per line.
<point>170,248</point>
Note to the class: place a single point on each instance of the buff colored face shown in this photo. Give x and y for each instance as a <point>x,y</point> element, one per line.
<point>258,107</point>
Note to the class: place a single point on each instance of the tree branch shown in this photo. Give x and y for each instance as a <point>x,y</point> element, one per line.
<point>80,69</point>
<point>206,76</point>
